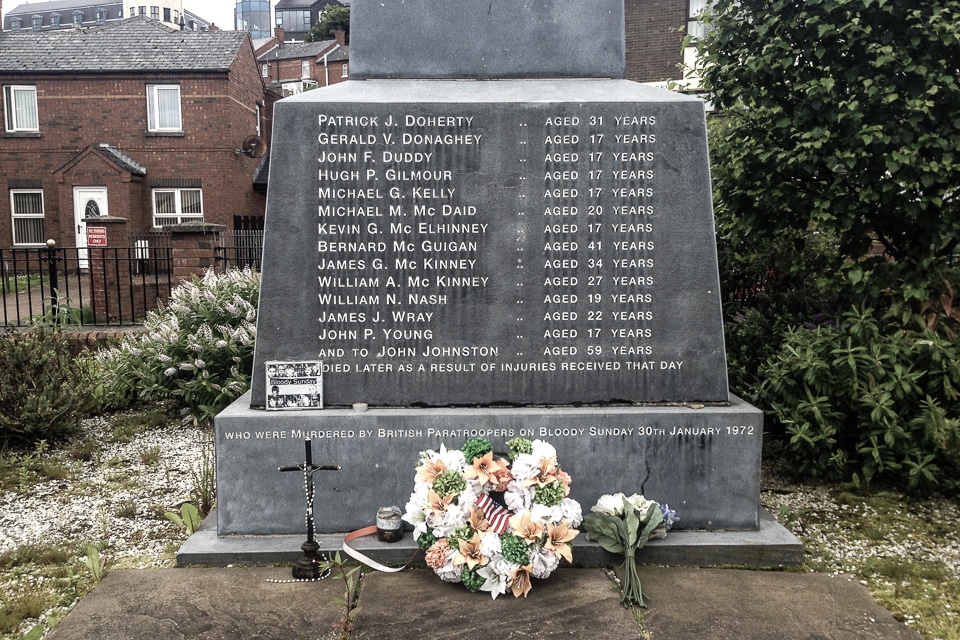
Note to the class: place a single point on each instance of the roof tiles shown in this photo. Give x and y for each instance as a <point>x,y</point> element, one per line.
<point>134,44</point>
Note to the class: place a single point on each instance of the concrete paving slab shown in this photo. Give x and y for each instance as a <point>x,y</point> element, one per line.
<point>729,604</point>
<point>572,603</point>
<point>207,604</point>
<point>235,603</point>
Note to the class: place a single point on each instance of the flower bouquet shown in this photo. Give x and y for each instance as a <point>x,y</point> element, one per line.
<point>623,525</point>
<point>490,523</point>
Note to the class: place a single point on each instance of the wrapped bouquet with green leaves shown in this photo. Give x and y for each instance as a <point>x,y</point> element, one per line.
<point>622,524</point>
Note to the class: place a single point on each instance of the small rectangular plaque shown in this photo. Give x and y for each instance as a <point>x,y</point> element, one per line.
<point>293,386</point>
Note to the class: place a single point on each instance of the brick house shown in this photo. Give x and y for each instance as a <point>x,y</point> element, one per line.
<point>133,120</point>
<point>294,67</point>
<point>655,30</point>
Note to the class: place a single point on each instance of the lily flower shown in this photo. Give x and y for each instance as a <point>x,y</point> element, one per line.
<point>478,521</point>
<point>470,553</point>
<point>558,537</point>
<point>430,469</point>
<point>526,527</point>
<point>439,504</point>
<point>483,469</point>
<point>521,581</point>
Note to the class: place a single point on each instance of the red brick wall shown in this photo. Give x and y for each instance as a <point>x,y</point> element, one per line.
<point>75,111</point>
<point>654,33</point>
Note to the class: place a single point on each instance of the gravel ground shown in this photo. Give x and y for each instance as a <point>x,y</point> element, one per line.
<point>86,505</point>
<point>117,501</point>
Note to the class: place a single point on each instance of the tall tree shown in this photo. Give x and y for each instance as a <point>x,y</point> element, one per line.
<point>842,118</point>
<point>333,18</point>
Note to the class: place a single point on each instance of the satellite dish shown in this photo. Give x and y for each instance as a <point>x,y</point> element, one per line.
<point>253,146</point>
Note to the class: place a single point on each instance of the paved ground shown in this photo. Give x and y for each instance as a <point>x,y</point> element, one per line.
<point>230,603</point>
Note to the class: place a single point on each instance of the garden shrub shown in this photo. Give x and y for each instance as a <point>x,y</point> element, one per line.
<point>867,401</point>
<point>42,387</point>
<point>197,349</point>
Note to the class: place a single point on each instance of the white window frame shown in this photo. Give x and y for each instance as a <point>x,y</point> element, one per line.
<point>55,20</point>
<point>32,215</point>
<point>345,70</point>
<point>101,16</point>
<point>305,69</point>
<point>155,12</point>
<point>178,216</point>
<point>25,97</point>
<point>154,123</point>
<point>265,70</point>
<point>37,22</point>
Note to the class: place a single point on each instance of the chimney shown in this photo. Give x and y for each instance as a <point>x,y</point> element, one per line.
<point>341,37</point>
<point>278,34</point>
<point>213,27</point>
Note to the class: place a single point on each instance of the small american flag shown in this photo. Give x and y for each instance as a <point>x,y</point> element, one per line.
<point>497,516</point>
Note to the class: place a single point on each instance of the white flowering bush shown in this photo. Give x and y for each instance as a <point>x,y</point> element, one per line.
<point>197,349</point>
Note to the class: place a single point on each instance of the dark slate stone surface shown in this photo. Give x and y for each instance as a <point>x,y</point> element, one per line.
<point>496,39</point>
<point>448,243</point>
<point>704,462</point>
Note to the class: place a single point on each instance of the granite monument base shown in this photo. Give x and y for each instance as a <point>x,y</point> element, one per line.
<point>704,461</point>
<point>772,545</point>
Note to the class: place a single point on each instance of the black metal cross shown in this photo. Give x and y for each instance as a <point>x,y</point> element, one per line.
<point>308,566</point>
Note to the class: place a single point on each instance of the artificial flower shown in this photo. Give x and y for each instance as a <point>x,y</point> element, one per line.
<point>471,553</point>
<point>430,469</point>
<point>525,527</point>
<point>437,555</point>
<point>484,469</point>
<point>558,538</point>
<point>521,581</point>
<point>501,540</point>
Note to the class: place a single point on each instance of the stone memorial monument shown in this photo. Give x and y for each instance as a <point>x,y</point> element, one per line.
<point>489,232</point>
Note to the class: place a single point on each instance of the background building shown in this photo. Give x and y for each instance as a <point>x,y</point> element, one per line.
<point>66,14</point>
<point>135,119</point>
<point>254,16</point>
<point>296,17</point>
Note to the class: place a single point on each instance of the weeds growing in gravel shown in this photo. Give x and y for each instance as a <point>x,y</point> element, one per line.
<point>905,550</point>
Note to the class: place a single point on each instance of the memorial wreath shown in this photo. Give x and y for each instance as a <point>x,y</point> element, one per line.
<point>490,523</point>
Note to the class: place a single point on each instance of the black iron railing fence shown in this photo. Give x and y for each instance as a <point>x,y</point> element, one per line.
<point>90,286</point>
<point>107,285</point>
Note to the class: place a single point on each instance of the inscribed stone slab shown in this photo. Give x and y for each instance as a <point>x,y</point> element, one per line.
<point>446,243</point>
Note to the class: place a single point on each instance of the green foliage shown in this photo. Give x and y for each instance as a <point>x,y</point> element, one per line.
<point>351,577</point>
<point>475,448</point>
<point>197,350</point>
<point>188,519</point>
<point>332,19</point>
<point>863,401</point>
<point>448,482</point>
<point>518,446</point>
<point>839,118</point>
<point>204,490</point>
<point>95,563</point>
<point>42,387</point>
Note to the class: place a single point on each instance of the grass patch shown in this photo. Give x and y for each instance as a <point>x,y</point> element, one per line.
<point>127,510</point>
<point>21,607</point>
<point>40,553</point>
<point>84,450</point>
<point>150,456</point>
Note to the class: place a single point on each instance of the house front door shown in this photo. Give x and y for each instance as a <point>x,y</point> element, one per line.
<point>88,202</point>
